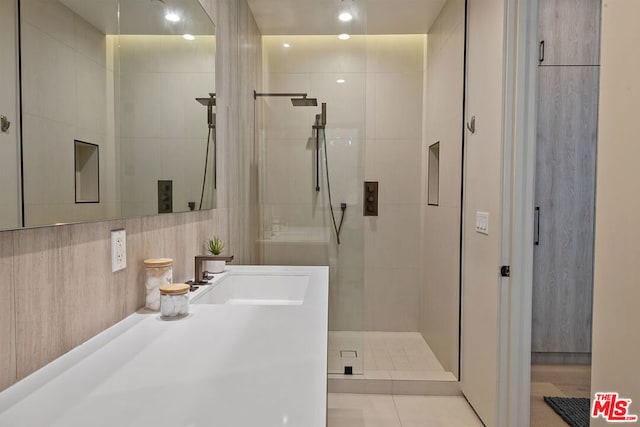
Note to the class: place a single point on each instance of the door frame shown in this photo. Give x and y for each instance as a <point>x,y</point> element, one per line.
<point>518,170</point>
<point>12,108</point>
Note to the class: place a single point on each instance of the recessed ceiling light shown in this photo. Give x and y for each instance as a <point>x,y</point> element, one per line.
<point>340,81</point>
<point>188,37</point>
<point>345,17</point>
<point>286,45</point>
<point>172,17</point>
<point>344,36</point>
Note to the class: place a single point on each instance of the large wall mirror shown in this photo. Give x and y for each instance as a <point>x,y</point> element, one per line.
<point>118,110</point>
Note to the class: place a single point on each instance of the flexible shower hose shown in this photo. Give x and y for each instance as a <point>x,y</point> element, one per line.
<point>206,165</point>
<point>343,206</point>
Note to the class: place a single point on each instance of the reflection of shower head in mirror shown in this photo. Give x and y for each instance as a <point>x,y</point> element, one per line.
<point>209,102</point>
<point>297,99</point>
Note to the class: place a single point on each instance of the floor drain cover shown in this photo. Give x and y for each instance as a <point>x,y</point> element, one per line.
<point>348,354</point>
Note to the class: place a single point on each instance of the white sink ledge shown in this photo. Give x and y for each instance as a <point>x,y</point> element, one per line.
<point>225,364</point>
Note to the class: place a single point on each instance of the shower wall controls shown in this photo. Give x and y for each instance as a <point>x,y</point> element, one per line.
<point>370,198</point>
<point>165,196</point>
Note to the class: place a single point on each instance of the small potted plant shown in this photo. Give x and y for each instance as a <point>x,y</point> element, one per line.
<point>214,247</point>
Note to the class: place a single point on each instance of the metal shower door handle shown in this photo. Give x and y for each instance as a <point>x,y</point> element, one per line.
<point>537,226</point>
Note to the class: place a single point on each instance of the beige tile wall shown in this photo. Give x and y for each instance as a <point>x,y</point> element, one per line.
<point>440,241</point>
<point>250,79</point>
<point>395,74</point>
<point>166,129</point>
<point>238,67</point>
<point>374,132</point>
<point>58,45</point>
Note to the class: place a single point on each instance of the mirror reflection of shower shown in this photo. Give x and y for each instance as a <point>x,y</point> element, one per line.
<point>297,99</point>
<point>209,102</point>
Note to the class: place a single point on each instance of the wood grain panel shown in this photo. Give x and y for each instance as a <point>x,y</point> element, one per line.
<point>132,278</point>
<point>7,312</point>
<point>565,193</point>
<point>571,31</point>
<point>94,299</point>
<point>40,299</point>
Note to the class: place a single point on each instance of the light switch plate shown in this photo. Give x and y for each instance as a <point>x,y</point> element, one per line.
<point>482,222</point>
<point>118,250</point>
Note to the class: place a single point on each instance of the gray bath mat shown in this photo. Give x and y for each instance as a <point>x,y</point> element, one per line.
<point>574,410</point>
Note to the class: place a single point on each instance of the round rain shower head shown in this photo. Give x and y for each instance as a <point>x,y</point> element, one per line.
<point>304,102</point>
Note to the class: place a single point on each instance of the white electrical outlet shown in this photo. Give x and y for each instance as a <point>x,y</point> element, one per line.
<point>118,250</point>
<point>482,222</point>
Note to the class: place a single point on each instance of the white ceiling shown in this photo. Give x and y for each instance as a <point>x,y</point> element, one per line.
<point>143,16</point>
<point>310,17</point>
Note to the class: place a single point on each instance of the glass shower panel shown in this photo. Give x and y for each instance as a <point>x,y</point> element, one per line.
<point>305,171</point>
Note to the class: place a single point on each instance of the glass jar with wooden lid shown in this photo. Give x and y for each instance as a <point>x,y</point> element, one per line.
<point>174,300</point>
<point>159,271</point>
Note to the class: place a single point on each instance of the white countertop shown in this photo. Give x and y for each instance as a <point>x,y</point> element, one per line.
<point>224,365</point>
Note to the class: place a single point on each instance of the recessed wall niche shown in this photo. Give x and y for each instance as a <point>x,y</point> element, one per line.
<point>433,197</point>
<point>87,171</point>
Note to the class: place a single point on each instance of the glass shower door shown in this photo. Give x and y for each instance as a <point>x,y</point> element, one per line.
<point>311,179</point>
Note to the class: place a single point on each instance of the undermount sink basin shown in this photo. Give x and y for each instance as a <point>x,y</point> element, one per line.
<point>253,289</point>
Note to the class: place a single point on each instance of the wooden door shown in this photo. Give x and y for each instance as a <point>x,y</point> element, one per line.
<point>565,195</point>
<point>570,30</point>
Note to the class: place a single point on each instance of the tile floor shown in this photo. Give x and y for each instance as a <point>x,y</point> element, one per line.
<point>387,355</point>
<point>369,410</point>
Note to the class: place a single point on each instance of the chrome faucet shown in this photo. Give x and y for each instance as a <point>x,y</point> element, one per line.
<point>199,277</point>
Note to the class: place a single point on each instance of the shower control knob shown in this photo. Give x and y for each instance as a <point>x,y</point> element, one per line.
<point>165,196</point>
<point>370,198</point>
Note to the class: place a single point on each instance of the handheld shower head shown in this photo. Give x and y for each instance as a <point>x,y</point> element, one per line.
<point>304,102</point>
<point>323,116</point>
